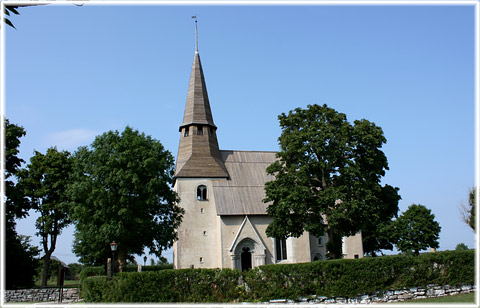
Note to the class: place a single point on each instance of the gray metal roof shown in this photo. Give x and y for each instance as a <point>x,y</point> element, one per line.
<point>243,192</point>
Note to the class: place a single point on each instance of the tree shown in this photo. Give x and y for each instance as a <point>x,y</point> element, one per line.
<point>73,272</point>
<point>20,255</point>
<point>45,182</point>
<point>123,193</point>
<point>21,261</point>
<point>468,211</point>
<point>15,204</point>
<point>461,247</point>
<point>416,229</point>
<point>327,179</point>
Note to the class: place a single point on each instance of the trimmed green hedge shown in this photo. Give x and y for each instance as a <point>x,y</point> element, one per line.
<point>187,285</point>
<point>148,268</point>
<point>100,270</point>
<point>344,278</point>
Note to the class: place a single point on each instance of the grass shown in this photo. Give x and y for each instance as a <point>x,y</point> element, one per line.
<point>53,283</point>
<point>452,299</point>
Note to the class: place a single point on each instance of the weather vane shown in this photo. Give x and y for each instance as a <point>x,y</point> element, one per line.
<point>196,33</point>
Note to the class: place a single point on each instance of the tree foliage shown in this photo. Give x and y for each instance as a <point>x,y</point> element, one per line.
<point>329,170</point>
<point>123,193</point>
<point>20,255</point>
<point>21,261</point>
<point>416,229</point>
<point>472,212</point>
<point>15,203</point>
<point>467,211</point>
<point>44,181</point>
<point>10,9</point>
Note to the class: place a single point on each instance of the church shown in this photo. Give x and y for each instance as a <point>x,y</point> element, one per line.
<point>221,192</point>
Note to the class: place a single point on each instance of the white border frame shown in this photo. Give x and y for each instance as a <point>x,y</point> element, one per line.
<point>474,3</point>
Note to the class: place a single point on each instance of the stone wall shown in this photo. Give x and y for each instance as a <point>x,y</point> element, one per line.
<point>41,295</point>
<point>388,296</point>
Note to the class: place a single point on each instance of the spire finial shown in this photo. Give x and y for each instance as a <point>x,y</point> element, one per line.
<point>196,34</point>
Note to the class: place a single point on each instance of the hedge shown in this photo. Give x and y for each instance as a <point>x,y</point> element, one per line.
<point>148,268</point>
<point>187,285</point>
<point>100,270</point>
<point>336,278</point>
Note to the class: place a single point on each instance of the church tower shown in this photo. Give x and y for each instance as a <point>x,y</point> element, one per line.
<point>199,163</point>
<point>198,152</point>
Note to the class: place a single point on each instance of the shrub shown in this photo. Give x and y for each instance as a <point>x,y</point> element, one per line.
<point>92,271</point>
<point>336,278</point>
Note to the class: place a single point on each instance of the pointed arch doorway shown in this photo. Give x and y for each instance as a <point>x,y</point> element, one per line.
<point>246,259</point>
<point>247,255</point>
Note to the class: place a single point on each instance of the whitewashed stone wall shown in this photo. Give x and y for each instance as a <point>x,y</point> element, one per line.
<point>386,297</point>
<point>41,295</point>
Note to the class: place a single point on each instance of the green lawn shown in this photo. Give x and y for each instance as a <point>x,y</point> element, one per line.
<point>460,298</point>
<point>53,283</point>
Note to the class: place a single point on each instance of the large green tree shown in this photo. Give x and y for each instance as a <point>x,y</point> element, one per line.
<point>20,255</point>
<point>123,193</point>
<point>416,229</point>
<point>327,178</point>
<point>45,182</point>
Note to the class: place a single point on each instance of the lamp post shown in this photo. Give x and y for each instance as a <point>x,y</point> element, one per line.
<point>145,261</point>
<point>113,247</point>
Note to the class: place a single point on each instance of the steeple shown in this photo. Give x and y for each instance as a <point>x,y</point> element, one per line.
<point>198,152</point>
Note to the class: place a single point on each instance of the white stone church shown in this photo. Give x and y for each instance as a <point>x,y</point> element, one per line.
<point>222,191</point>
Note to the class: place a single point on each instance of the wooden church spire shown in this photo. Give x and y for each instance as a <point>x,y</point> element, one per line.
<point>198,152</point>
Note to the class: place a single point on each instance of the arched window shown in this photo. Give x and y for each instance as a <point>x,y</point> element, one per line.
<point>202,193</point>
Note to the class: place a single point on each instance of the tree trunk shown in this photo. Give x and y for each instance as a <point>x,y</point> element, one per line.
<point>334,244</point>
<point>46,268</point>
<point>48,254</point>
<point>122,258</point>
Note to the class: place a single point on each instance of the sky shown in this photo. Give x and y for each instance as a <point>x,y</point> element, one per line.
<point>75,72</point>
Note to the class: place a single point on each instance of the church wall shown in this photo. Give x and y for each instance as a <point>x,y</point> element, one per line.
<point>318,247</point>
<point>198,235</point>
<point>353,246</point>
<point>302,249</point>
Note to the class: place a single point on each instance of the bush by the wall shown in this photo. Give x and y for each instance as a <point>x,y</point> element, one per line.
<point>187,285</point>
<point>92,271</point>
<point>337,278</point>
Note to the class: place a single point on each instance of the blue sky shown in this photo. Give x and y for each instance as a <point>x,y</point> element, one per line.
<point>74,72</point>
